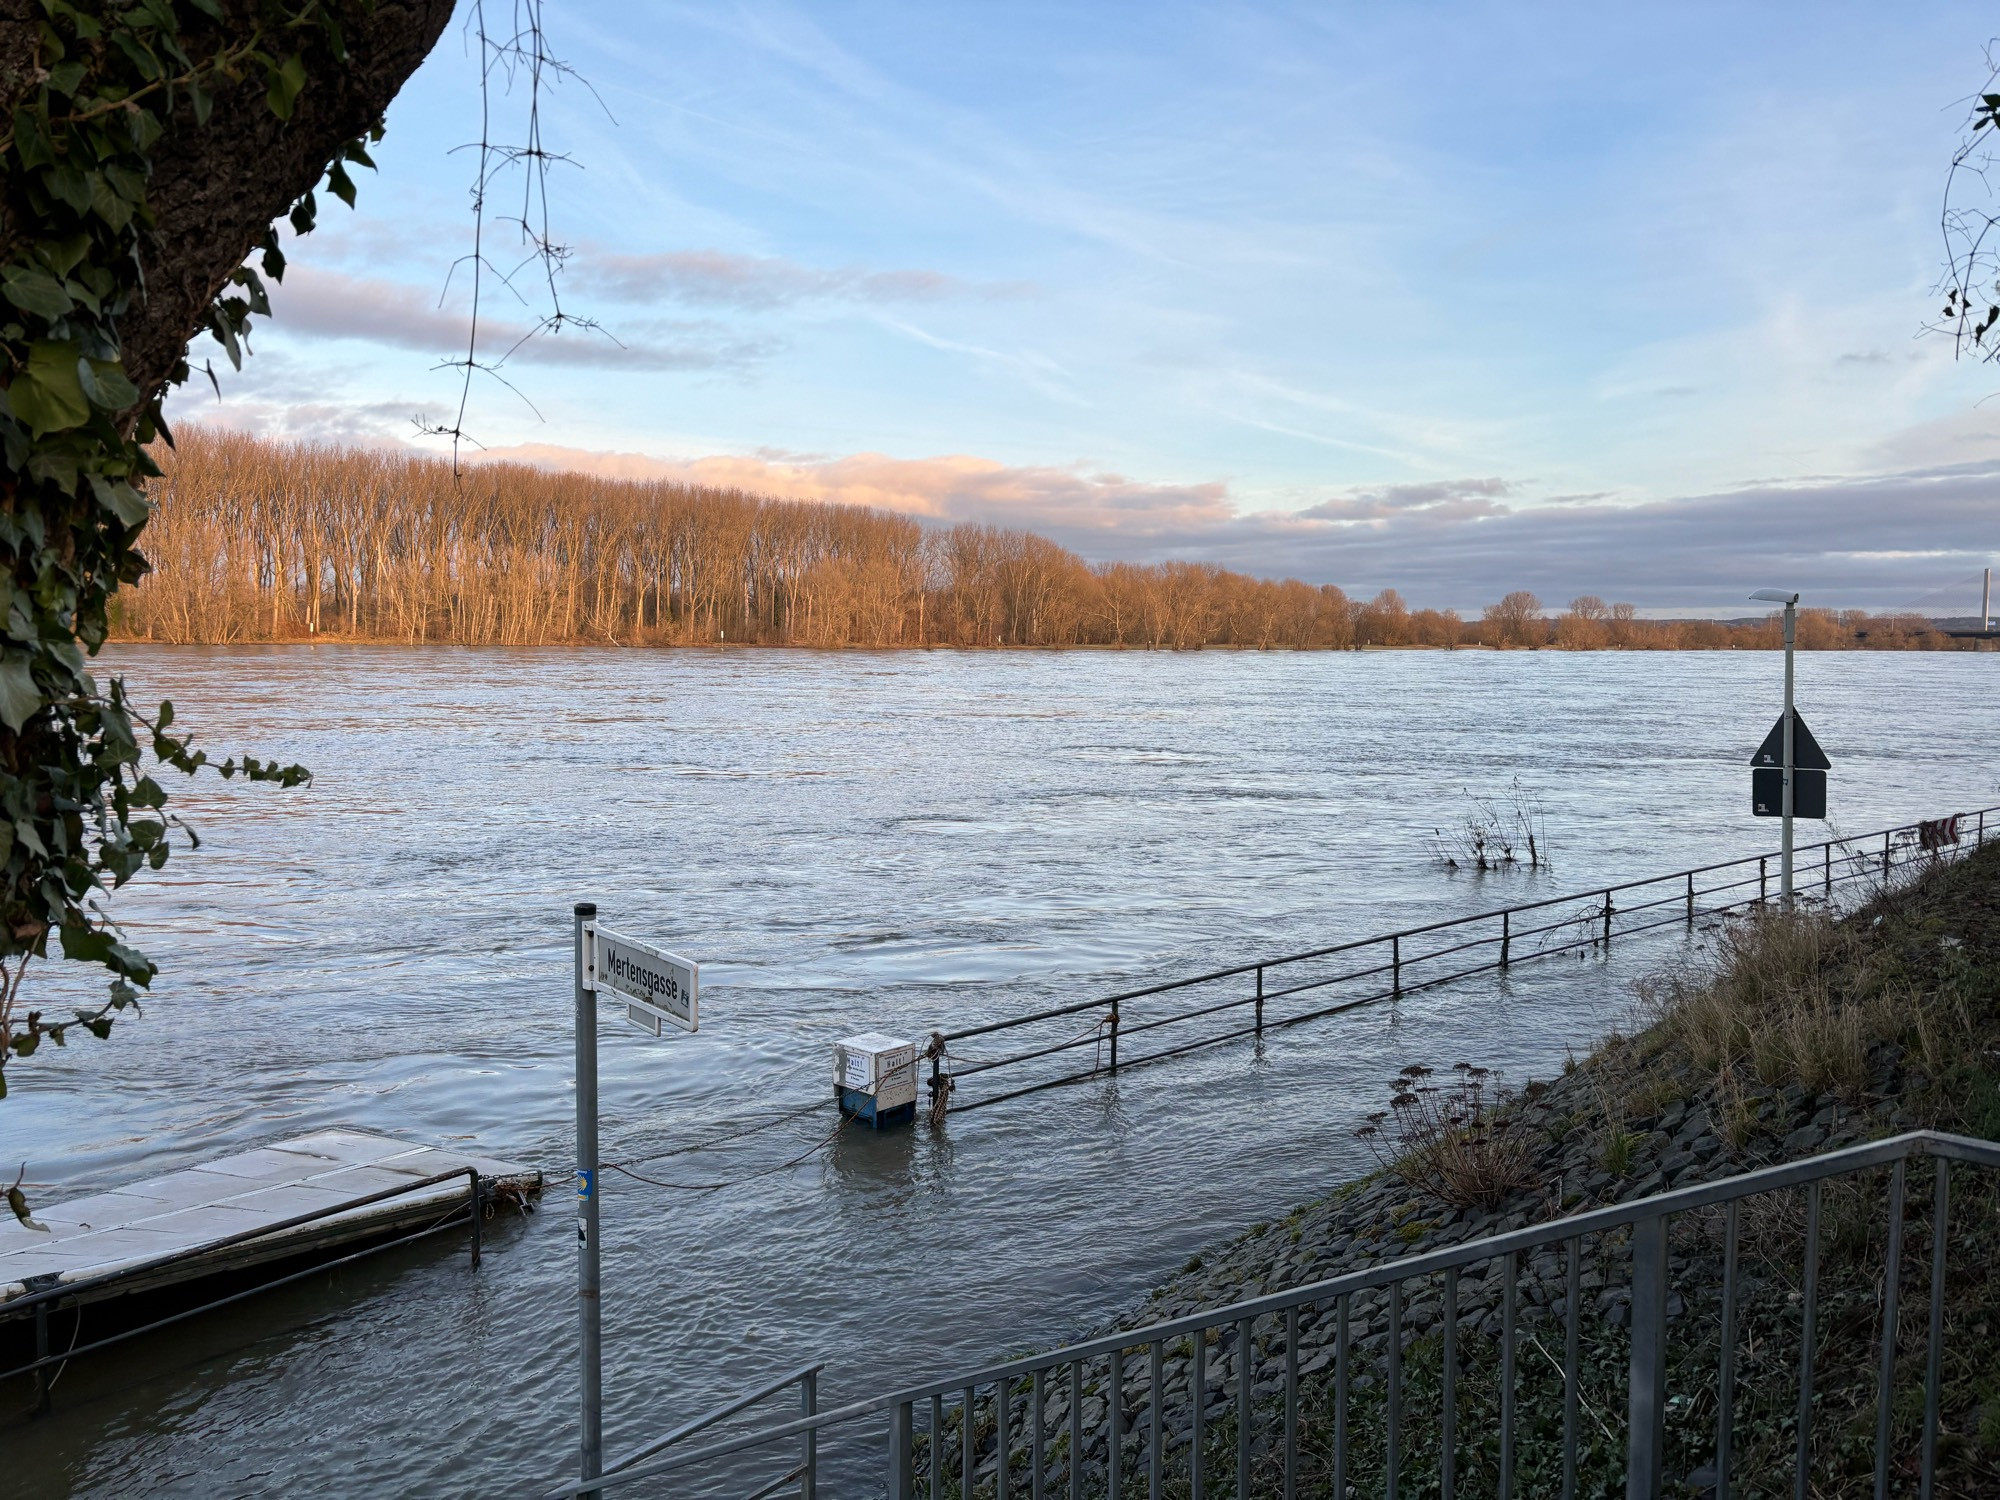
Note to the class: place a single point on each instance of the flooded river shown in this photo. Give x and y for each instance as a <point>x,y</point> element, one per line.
<point>847,842</point>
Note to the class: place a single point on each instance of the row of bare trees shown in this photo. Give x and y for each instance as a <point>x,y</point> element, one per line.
<point>253,540</point>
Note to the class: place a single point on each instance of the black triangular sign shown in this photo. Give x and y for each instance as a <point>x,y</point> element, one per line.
<point>1806,752</point>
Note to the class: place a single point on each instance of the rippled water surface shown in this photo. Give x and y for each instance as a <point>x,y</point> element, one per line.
<point>847,842</point>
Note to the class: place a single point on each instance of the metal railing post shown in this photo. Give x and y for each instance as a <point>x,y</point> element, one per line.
<point>1826,878</point>
<point>41,1353</point>
<point>1607,921</point>
<point>1885,852</point>
<point>934,1447</point>
<point>809,1458</point>
<point>1260,999</point>
<point>902,1477</point>
<point>1506,936</point>
<point>1645,1449</point>
<point>1763,878</point>
<point>1396,965</point>
<point>1892,1281</point>
<point>1114,1041</point>
<point>1690,899</point>
<point>478,1212</point>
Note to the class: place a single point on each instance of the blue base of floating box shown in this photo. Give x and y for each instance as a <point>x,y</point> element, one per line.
<point>859,1106</point>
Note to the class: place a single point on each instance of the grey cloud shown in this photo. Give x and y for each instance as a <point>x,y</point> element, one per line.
<point>718,278</point>
<point>326,304</point>
<point>1444,498</point>
<point>1874,542</point>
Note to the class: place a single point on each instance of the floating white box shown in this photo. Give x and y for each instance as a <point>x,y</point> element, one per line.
<point>878,1064</point>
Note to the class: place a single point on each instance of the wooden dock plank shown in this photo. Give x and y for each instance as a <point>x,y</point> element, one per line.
<point>181,1214</point>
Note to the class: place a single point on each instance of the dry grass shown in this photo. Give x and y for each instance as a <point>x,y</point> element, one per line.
<point>1785,998</point>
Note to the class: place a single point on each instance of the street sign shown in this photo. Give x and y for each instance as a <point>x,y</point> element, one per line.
<point>1767,792</point>
<point>656,986</point>
<point>1805,751</point>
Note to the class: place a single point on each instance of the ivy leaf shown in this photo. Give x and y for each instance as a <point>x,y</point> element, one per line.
<point>70,185</point>
<point>253,290</point>
<point>118,497</point>
<point>19,697</point>
<point>34,290</point>
<point>46,394</point>
<point>61,255</point>
<point>31,139</point>
<point>340,183</point>
<point>86,944</point>
<point>286,81</point>
<point>209,8</point>
<point>105,384</point>
<point>65,76</point>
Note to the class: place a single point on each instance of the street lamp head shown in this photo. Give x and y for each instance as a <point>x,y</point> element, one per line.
<point>1775,596</point>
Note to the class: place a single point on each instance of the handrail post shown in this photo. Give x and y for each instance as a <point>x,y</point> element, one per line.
<point>1506,936</point>
<point>1826,879</point>
<point>478,1212</point>
<point>1260,999</point>
<point>42,1382</point>
<point>1690,898</point>
<point>1607,921</point>
<point>1763,880</point>
<point>809,1460</point>
<point>1645,1450</point>
<point>1887,835</point>
<point>902,1475</point>
<point>1396,964</point>
<point>1114,1040</point>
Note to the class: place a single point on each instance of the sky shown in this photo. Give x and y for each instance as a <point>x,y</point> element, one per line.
<point>1454,298</point>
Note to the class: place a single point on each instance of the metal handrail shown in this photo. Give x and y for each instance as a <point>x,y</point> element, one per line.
<point>1602,914</point>
<point>805,1378</point>
<point>1645,1216</point>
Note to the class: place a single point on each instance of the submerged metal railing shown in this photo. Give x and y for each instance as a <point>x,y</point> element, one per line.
<point>1432,1371</point>
<point>1321,982</point>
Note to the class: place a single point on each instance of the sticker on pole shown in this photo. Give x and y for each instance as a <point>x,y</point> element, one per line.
<point>656,986</point>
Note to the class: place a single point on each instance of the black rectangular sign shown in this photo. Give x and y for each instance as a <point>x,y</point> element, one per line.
<point>1767,792</point>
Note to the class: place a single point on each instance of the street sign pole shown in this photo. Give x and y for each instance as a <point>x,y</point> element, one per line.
<point>659,988</point>
<point>589,1313</point>
<point>1785,833</point>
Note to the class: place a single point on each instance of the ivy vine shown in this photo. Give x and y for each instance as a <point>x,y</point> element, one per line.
<point>81,812</point>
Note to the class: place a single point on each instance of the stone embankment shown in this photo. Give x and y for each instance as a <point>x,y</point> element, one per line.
<point>1800,1036</point>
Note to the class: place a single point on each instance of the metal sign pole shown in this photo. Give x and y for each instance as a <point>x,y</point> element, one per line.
<point>1785,836</point>
<point>589,1316</point>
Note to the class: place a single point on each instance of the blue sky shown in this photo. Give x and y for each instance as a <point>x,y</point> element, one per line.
<point>1447,297</point>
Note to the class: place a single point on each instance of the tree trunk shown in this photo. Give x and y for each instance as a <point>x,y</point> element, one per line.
<point>216,188</point>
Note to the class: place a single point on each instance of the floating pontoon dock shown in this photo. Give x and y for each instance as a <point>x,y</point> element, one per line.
<point>298,1197</point>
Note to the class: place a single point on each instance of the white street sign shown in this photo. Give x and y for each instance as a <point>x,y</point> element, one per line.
<point>654,983</point>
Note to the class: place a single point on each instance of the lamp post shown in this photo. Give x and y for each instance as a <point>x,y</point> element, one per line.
<point>1791,603</point>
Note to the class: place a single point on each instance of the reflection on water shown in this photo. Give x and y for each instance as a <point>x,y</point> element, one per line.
<point>847,842</point>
